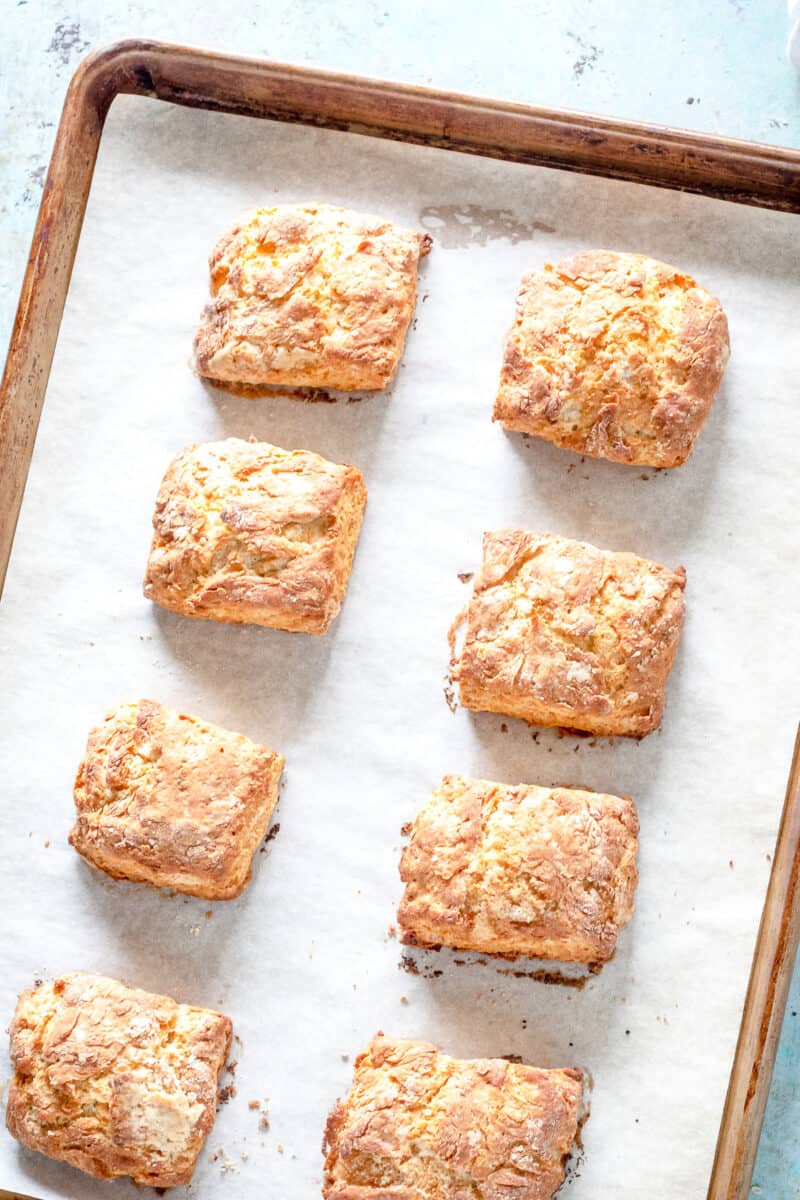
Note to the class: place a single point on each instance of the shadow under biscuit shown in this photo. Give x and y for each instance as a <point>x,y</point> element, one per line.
<point>510,751</point>
<point>178,943</point>
<point>348,429</point>
<point>256,680</point>
<point>655,513</point>
<point>525,1010</point>
<point>51,1177</point>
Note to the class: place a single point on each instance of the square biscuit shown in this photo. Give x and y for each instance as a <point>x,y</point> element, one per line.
<point>167,799</point>
<point>247,532</point>
<point>419,1125</point>
<point>561,633</point>
<point>309,295</point>
<point>113,1080</point>
<point>542,872</point>
<point>613,355</point>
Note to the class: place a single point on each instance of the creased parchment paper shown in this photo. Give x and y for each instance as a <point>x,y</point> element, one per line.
<point>304,962</point>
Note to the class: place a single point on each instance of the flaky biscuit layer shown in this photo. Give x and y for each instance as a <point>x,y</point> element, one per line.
<point>543,872</point>
<point>614,355</point>
<point>248,532</point>
<point>419,1125</point>
<point>167,799</point>
<point>559,632</point>
<point>309,295</point>
<point>114,1080</point>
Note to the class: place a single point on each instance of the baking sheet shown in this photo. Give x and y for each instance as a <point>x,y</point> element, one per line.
<point>304,961</point>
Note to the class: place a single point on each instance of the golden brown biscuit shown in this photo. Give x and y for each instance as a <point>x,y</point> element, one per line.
<point>247,532</point>
<point>418,1125</point>
<point>542,872</point>
<point>167,799</point>
<point>114,1080</point>
<point>614,355</point>
<point>561,633</point>
<point>309,295</point>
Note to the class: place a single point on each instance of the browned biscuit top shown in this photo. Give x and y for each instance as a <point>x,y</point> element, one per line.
<point>613,355</point>
<point>168,799</point>
<point>544,872</point>
<point>309,295</point>
<point>114,1080</point>
<point>246,531</point>
<point>418,1125</point>
<point>562,633</point>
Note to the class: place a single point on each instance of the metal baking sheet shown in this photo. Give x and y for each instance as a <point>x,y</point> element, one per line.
<point>304,961</point>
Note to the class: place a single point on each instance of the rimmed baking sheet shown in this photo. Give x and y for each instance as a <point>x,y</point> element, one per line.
<point>304,962</point>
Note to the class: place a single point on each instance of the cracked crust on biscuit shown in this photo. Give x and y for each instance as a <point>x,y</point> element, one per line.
<point>559,632</point>
<point>113,1080</point>
<point>419,1125</point>
<point>247,532</point>
<point>167,799</point>
<point>542,872</point>
<point>309,295</point>
<point>613,355</point>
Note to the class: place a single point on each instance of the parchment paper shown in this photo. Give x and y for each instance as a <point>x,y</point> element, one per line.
<point>303,961</point>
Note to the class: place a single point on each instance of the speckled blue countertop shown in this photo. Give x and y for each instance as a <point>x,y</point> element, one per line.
<point>713,65</point>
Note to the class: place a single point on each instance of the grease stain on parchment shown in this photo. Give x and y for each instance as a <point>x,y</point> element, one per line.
<point>457,225</point>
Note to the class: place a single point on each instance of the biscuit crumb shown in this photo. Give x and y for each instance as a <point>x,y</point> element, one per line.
<point>450,696</point>
<point>273,832</point>
<point>404,999</point>
<point>226,1093</point>
<point>253,1104</point>
<point>280,1148</point>
<point>405,828</point>
<point>465,576</point>
<point>392,931</point>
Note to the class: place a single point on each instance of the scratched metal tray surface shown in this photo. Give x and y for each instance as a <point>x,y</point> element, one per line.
<point>305,962</point>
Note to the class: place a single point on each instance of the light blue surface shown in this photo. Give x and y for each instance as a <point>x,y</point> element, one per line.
<point>715,65</point>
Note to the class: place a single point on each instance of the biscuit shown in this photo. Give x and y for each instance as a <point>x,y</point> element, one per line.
<point>247,532</point>
<point>166,799</point>
<point>613,355</point>
<point>309,295</point>
<point>418,1125</point>
<point>561,633</point>
<point>543,872</point>
<point>113,1080</point>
